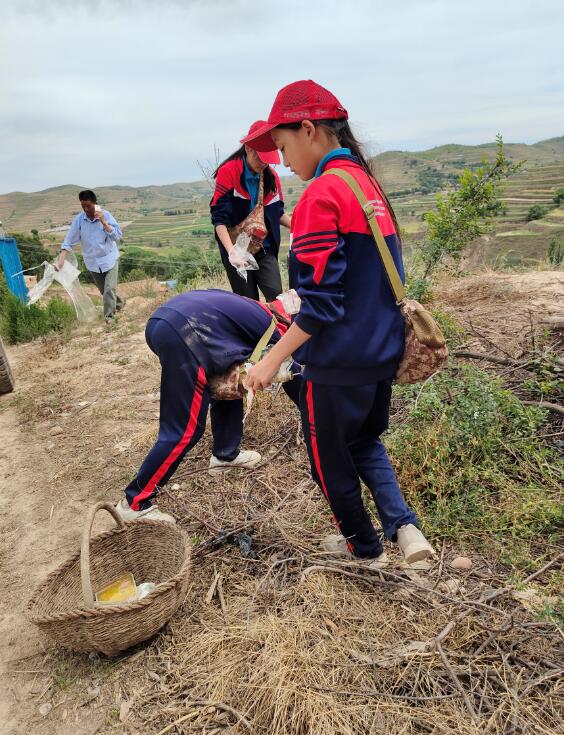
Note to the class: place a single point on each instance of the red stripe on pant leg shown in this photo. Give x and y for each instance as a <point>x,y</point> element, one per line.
<point>315,451</point>
<point>313,436</point>
<point>182,444</point>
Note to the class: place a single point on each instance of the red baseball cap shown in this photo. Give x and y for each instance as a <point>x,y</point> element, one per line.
<point>270,157</point>
<point>303,100</point>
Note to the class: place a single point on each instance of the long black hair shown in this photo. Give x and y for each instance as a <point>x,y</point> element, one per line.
<point>269,179</point>
<point>342,131</point>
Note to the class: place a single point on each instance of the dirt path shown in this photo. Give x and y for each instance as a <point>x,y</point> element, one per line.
<point>29,544</point>
<point>65,442</point>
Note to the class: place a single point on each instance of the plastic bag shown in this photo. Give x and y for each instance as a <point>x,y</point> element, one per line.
<point>67,276</point>
<point>290,301</point>
<point>240,258</point>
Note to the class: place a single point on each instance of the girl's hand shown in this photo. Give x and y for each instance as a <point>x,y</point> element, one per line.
<point>260,375</point>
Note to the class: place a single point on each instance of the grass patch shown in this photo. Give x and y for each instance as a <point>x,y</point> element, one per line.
<point>21,323</point>
<point>470,460</point>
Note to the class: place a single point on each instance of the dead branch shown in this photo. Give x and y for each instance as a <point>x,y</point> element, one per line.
<point>458,685</point>
<point>546,405</point>
<point>207,703</point>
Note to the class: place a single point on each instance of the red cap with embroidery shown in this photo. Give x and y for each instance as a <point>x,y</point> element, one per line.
<point>303,100</point>
<point>270,157</point>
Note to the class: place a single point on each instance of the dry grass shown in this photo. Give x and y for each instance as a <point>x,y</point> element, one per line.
<point>299,644</point>
<point>294,643</point>
<point>274,638</point>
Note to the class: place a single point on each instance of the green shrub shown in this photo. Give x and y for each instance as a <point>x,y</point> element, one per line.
<point>555,252</point>
<point>21,323</point>
<point>451,329</point>
<point>536,212</point>
<point>468,458</point>
<point>31,249</point>
<point>419,289</point>
<point>137,274</point>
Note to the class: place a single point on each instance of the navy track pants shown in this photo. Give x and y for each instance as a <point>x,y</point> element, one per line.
<point>185,400</point>
<point>342,427</point>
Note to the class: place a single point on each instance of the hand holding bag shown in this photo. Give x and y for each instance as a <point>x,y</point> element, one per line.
<point>253,225</point>
<point>229,385</point>
<point>425,349</point>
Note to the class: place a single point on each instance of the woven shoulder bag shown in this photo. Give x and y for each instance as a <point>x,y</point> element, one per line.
<point>253,225</point>
<point>425,349</point>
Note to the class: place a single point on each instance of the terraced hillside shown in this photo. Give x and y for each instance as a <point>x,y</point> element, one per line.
<point>51,209</point>
<point>171,216</point>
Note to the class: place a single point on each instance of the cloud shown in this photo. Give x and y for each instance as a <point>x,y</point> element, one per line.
<point>135,92</point>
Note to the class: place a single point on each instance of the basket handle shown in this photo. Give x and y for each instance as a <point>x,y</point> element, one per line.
<point>87,592</point>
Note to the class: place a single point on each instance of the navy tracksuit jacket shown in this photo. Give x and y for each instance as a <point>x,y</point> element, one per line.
<point>357,337</point>
<point>230,204</point>
<point>196,335</point>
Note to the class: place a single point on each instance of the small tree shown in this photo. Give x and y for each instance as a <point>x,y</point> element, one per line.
<point>462,215</point>
<point>31,249</point>
<point>558,197</point>
<point>536,212</point>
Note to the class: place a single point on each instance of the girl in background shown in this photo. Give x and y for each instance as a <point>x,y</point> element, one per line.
<point>236,194</point>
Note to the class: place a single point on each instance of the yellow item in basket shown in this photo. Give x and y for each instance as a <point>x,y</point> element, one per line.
<point>122,589</point>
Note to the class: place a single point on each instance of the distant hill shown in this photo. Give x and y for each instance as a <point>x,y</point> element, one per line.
<point>177,214</point>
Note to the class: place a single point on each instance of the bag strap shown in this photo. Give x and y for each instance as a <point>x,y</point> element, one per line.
<point>260,198</point>
<point>392,272</point>
<point>264,340</point>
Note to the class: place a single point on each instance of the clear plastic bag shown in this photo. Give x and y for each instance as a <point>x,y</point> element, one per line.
<point>240,258</point>
<point>67,276</point>
<point>290,301</point>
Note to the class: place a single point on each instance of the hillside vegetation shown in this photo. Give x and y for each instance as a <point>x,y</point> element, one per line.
<point>163,219</point>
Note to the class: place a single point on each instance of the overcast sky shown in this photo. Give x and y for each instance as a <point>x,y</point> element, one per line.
<point>137,92</point>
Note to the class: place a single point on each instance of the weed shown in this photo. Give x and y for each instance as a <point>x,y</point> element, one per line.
<point>553,613</point>
<point>451,329</point>
<point>61,678</point>
<point>21,323</point>
<point>468,457</point>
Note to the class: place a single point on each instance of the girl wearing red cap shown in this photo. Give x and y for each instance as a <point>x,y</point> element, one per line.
<point>349,332</point>
<point>235,196</point>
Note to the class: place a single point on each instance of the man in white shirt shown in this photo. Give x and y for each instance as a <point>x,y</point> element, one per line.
<point>98,232</point>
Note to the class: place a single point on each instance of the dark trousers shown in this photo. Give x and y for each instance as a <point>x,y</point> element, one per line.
<point>106,284</point>
<point>185,399</point>
<point>342,427</point>
<point>267,278</point>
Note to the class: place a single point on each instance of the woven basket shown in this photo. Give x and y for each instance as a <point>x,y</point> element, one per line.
<point>153,551</point>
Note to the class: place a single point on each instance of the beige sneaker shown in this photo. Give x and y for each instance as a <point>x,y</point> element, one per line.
<point>246,458</point>
<point>153,514</point>
<point>413,544</point>
<point>336,545</point>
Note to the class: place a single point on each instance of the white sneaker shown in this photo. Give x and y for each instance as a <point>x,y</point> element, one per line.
<point>336,545</point>
<point>245,458</point>
<point>153,514</point>
<point>413,544</point>
<point>380,562</point>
